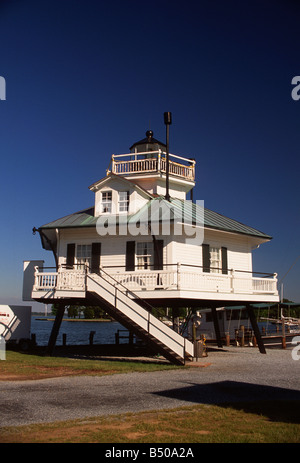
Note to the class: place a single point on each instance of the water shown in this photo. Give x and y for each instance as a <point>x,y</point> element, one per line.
<point>77,332</point>
<point>271,329</point>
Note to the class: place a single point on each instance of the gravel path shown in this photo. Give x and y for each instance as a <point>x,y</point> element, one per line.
<point>234,374</point>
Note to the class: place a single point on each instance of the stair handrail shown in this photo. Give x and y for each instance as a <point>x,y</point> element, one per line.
<point>117,283</point>
<point>148,318</point>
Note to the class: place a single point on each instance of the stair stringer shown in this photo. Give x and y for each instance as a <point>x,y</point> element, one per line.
<point>134,317</point>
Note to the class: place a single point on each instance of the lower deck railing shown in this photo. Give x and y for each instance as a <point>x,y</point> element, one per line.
<point>173,277</point>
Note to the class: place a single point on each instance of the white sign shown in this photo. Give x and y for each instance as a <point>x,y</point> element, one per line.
<point>8,322</point>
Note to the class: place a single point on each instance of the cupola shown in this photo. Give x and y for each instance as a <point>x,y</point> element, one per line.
<point>146,166</point>
<point>148,144</point>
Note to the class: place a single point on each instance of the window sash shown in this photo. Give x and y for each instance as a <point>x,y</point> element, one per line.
<point>83,255</point>
<point>106,201</point>
<point>144,255</point>
<point>123,201</point>
<point>215,259</point>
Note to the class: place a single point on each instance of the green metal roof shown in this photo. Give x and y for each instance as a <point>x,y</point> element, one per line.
<point>84,218</point>
<point>216,221</point>
<point>179,210</point>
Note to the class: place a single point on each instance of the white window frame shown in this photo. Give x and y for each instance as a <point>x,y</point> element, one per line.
<point>123,201</point>
<point>215,256</point>
<point>106,202</point>
<point>144,255</point>
<point>83,256</point>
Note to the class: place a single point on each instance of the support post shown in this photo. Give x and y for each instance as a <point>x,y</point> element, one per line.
<point>255,328</point>
<point>55,329</point>
<point>216,326</point>
<point>283,338</point>
<point>168,122</point>
<point>243,336</point>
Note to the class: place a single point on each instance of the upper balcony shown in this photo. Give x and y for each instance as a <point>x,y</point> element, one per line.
<point>150,162</point>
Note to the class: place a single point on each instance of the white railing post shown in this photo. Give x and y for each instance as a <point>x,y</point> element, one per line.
<point>159,161</point>
<point>86,269</point>
<point>178,275</point>
<point>232,280</point>
<point>113,164</point>
<point>275,282</point>
<point>36,278</point>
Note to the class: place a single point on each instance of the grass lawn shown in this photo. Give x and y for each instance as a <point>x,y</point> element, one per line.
<point>247,423</point>
<point>18,366</point>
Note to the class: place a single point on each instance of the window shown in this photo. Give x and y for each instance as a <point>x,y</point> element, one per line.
<point>123,201</point>
<point>144,255</point>
<point>215,259</point>
<point>83,255</point>
<point>106,203</point>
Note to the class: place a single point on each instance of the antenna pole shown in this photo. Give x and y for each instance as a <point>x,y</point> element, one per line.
<point>168,122</point>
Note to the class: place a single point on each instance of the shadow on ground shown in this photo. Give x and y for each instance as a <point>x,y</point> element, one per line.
<point>277,404</point>
<point>104,352</point>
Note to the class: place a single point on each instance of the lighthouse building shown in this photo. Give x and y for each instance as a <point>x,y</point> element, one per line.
<point>136,248</point>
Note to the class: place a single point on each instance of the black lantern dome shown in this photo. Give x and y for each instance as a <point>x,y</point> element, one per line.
<point>147,144</point>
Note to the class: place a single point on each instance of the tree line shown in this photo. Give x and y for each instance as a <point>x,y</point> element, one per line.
<point>84,312</point>
<point>96,312</point>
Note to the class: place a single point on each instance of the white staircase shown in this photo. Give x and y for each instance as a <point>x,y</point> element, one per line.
<point>123,306</point>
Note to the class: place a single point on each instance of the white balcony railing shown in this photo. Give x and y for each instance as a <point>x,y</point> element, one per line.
<point>74,280</point>
<point>175,277</point>
<point>153,161</point>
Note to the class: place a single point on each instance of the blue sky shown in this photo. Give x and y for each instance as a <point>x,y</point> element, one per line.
<point>85,78</point>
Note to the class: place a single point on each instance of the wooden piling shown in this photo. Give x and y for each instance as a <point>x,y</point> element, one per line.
<point>194,333</point>
<point>243,336</point>
<point>283,339</point>
<point>227,339</point>
<point>91,337</point>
